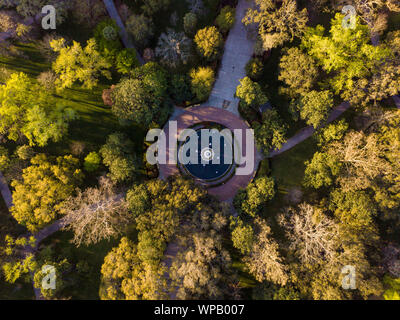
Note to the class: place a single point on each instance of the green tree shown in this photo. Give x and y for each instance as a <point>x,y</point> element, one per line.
<point>314,107</point>
<point>149,102</point>
<point>271,132</point>
<point>179,88</point>
<point>209,43</point>
<point>321,170</point>
<point>255,196</point>
<point>141,28</point>
<point>92,162</point>
<point>242,235</point>
<point>254,69</point>
<point>202,80</point>
<point>126,60</point>
<point>126,276</point>
<point>190,23</point>
<point>150,7</point>
<point>75,63</point>
<point>226,19</point>
<point>118,156</point>
<point>298,71</point>
<point>347,56</point>
<point>393,288</point>
<point>26,111</point>
<point>250,93</point>
<point>45,185</point>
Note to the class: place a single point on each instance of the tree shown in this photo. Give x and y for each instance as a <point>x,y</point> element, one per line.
<point>298,71</point>
<point>250,93</point>
<point>92,162</point>
<point>254,69</point>
<point>179,88</point>
<point>277,24</point>
<point>271,132</point>
<point>202,80</point>
<point>39,197</point>
<point>226,19</point>
<point>314,107</point>
<point>190,23</point>
<point>96,214</point>
<point>107,39</point>
<point>125,276</point>
<point>356,210</point>
<point>126,60</point>
<point>75,63</point>
<point>141,28</point>
<point>393,288</point>
<point>201,271</point>
<point>26,111</point>
<point>30,8</point>
<point>118,156</point>
<point>312,235</point>
<point>347,56</point>
<point>173,49</point>
<point>209,43</point>
<point>255,196</point>
<point>88,12</point>
<point>264,261</point>
<point>332,132</point>
<point>150,7</point>
<point>321,171</point>
<point>142,98</point>
<point>242,235</point>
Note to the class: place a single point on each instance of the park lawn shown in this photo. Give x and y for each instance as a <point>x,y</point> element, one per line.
<point>84,286</point>
<point>95,120</point>
<point>288,171</point>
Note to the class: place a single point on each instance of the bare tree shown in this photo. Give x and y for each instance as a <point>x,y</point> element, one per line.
<point>312,235</point>
<point>96,214</point>
<point>362,158</point>
<point>264,261</point>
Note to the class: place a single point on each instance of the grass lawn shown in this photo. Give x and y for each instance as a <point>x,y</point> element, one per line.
<point>89,283</point>
<point>95,121</point>
<point>288,171</point>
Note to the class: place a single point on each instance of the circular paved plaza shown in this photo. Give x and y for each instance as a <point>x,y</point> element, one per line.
<point>188,118</point>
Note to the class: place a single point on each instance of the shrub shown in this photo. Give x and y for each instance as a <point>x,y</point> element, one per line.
<point>254,69</point>
<point>126,60</point>
<point>209,42</point>
<point>202,80</point>
<point>226,19</point>
<point>92,162</point>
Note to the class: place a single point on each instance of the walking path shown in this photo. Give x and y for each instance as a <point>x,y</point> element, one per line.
<point>238,51</point>
<point>126,39</point>
<point>308,131</point>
